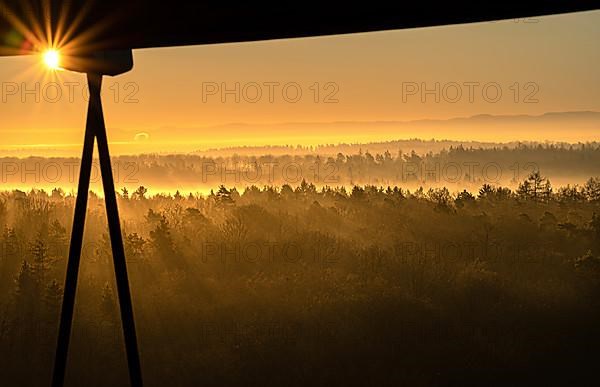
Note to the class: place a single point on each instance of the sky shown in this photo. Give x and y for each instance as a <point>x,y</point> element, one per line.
<point>177,99</point>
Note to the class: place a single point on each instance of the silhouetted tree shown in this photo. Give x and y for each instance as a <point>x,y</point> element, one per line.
<point>441,197</point>
<point>163,244</point>
<point>570,194</point>
<point>223,196</point>
<point>134,247</point>
<point>463,198</point>
<point>535,187</point>
<point>140,193</point>
<point>592,189</point>
<point>486,191</point>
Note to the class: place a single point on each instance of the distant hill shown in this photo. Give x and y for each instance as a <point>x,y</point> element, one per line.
<point>483,130</point>
<point>479,131</point>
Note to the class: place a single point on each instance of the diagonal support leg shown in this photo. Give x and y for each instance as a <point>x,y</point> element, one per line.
<point>66,317</point>
<point>116,239</point>
<point>95,128</point>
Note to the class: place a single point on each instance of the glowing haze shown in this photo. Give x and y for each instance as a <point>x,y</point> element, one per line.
<point>291,91</point>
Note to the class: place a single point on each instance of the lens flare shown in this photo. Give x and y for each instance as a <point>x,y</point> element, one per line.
<point>52,59</point>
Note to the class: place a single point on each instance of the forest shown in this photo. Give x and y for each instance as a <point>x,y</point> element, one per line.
<point>298,285</point>
<point>409,164</point>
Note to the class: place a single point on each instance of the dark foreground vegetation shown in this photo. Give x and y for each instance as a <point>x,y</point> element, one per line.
<point>294,286</point>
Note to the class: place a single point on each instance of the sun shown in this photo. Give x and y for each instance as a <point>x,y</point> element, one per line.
<point>52,59</point>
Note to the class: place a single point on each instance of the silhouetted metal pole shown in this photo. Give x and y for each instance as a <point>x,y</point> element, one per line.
<point>95,128</point>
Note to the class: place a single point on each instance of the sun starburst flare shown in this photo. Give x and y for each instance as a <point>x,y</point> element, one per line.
<point>52,59</point>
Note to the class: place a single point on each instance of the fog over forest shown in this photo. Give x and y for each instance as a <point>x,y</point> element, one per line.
<point>287,284</point>
<point>410,164</point>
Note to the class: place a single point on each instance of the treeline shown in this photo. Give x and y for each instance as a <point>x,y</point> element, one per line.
<point>297,285</point>
<point>415,144</point>
<point>456,168</point>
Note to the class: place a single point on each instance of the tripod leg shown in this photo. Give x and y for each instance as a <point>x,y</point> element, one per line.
<point>66,317</point>
<point>116,238</point>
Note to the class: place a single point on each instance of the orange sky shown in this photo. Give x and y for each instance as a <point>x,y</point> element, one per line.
<point>174,95</point>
